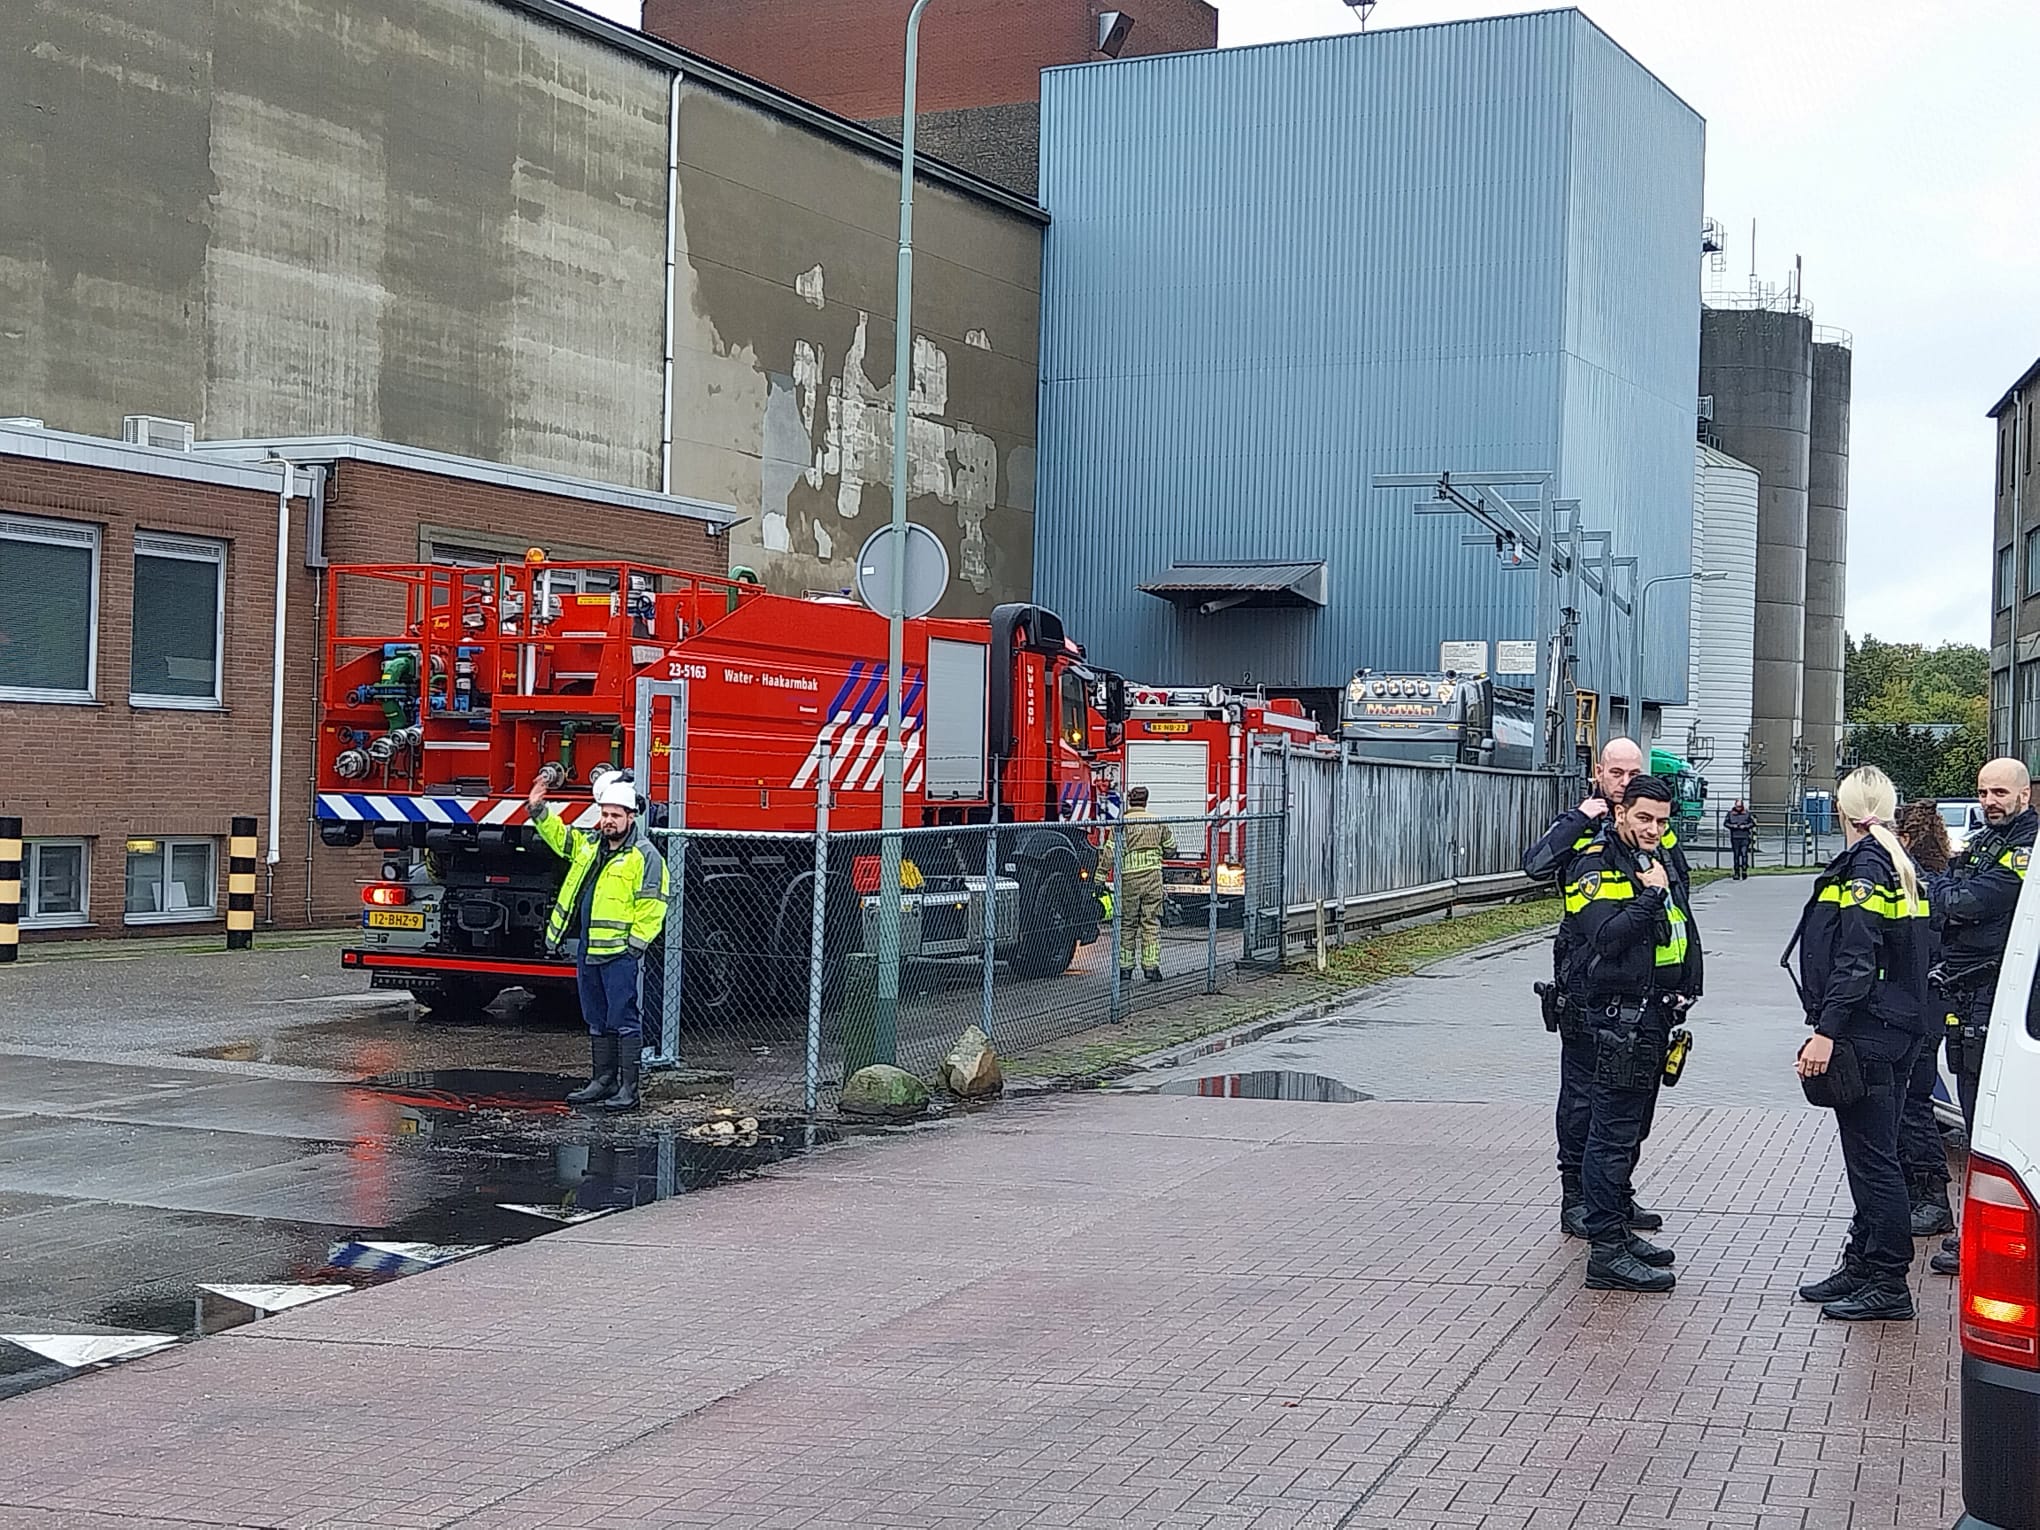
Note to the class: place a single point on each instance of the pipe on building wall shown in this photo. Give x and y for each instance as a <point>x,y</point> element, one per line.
<point>283,497</point>
<point>2018,589</point>
<point>672,278</point>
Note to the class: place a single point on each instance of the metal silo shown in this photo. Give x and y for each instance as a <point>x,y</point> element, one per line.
<point>1827,554</point>
<point>1715,720</point>
<point>1757,364</point>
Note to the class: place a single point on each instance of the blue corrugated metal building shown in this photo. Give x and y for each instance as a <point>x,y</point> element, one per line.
<point>1276,272</point>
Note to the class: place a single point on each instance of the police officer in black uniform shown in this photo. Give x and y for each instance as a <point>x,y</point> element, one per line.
<point>1975,917</point>
<point>1635,946</point>
<point>1551,859</point>
<point>1863,982</point>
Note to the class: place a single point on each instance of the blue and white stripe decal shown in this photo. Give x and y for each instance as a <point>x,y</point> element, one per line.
<point>399,807</point>
<point>854,735</point>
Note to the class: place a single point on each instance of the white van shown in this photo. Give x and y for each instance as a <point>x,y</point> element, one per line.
<point>2000,1290</point>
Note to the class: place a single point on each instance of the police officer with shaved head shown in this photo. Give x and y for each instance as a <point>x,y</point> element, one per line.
<point>1975,915</point>
<point>1551,859</point>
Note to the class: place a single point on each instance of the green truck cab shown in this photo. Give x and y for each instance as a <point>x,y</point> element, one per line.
<point>1689,787</point>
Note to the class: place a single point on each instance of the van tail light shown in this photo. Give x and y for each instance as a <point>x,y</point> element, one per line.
<point>2000,1268</point>
<point>385,895</point>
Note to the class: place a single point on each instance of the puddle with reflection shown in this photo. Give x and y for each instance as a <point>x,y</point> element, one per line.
<point>445,1164</point>
<point>1266,1084</point>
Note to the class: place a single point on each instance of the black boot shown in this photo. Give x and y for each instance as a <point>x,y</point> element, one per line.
<point>1642,1220</point>
<point>1154,974</point>
<point>1612,1267</point>
<point>1949,1260</point>
<point>1847,1279</point>
<point>1931,1213</point>
<point>1881,1298</point>
<point>601,1072</point>
<point>626,1096</point>
<point>1572,1204</point>
<point>1651,1254</point>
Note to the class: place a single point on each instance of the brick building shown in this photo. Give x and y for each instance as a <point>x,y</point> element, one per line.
<point>138,621</point>
<point>979,86</point>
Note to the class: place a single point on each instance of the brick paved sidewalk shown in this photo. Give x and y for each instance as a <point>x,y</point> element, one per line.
<point>1134,1312</point>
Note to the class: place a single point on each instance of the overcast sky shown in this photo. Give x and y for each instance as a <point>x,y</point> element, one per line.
<point>1891,146</point>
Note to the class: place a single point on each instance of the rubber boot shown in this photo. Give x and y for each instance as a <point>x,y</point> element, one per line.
<point>1154,974</point>
<point>1612,1267</point>
<point>1572,1204</point>
<point>1882,1298</point>
<point>1658,1258</point>
<point>627,1056</point>
<point>1847,1279</point>
<point>1931,1212</point>
<point>601,1072</point>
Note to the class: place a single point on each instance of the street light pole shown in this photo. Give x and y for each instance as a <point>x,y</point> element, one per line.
<point>1698,576</point>
<point>893,794</point>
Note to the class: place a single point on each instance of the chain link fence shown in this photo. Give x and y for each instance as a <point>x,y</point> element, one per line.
<point>769,978</point>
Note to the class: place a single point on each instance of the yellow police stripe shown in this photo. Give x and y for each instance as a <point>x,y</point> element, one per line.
<point>1884,902</point>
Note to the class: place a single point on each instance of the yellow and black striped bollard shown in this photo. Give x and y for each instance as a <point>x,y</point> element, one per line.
<point>10,889</point>
<point>241,886</point>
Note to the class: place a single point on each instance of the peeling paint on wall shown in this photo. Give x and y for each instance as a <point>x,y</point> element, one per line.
<point>784,392</point>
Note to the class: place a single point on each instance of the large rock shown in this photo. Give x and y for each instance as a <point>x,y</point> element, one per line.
<point>883,1093</point>
<point>971,1071</point>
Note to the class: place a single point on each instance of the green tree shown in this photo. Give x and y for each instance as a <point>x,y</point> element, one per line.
<point>1893,691</point>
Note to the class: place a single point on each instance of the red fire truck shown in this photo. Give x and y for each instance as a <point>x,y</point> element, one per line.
<point>1188,747</point>
<point>446,690</point>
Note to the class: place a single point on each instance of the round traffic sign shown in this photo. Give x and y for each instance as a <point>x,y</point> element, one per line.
<point>926,575</point>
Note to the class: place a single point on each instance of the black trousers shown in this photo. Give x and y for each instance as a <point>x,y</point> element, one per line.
<point>1629,1060</point>
<point>1575,1090</point>
<point>1919,1134</point>
<point>1741,847</point>
<point>1968,1067</point>
<point>1880,1233</point>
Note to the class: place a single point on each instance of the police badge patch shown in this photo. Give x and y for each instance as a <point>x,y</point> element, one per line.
<point>2020,856</point>
<point>1862,890</point>
<point>1590,885</point>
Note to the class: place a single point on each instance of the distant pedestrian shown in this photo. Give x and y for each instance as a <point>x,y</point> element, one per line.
<point>612,905</point>
<point>1863,981</point>
<point>1925,838</point>
<point>1742,831</point>
<point>1143,843</point>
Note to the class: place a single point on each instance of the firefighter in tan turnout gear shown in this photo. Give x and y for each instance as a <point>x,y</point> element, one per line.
<point>1142,843</point>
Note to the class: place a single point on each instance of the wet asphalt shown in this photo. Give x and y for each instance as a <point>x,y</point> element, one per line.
<point>175,1119</point>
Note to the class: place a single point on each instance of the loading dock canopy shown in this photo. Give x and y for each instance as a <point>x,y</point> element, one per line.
<point>1213,587</point>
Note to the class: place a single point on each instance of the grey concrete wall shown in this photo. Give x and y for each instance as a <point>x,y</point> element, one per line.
<point>1827,556</point>
<point>440,222</point>
<point>784,356</point>
<point>1758,365</point>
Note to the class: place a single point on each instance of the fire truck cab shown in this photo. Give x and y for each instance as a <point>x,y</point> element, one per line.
<point>1189,748</point>
<point>446,690</point>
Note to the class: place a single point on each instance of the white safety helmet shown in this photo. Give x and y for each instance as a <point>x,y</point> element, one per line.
<point>617,790</point>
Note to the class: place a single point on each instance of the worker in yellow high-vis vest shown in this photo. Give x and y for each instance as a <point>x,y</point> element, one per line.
<point>1142,842</point>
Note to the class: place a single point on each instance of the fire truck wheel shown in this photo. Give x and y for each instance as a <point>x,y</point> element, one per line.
<point>726,973</point>
<point>1172,913</point>
<point>459,1001</point>
<point>1048,927</point>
